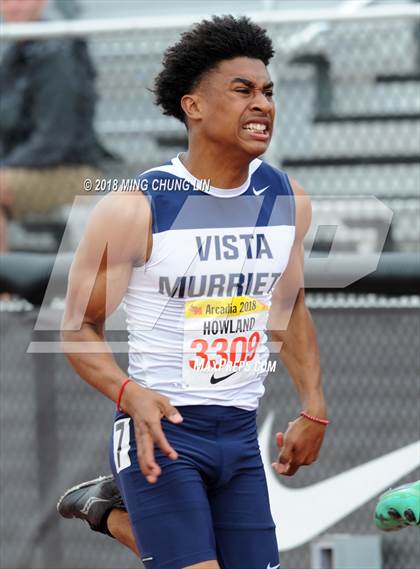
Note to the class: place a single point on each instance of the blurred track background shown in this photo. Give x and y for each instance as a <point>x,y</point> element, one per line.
<point>348,126</point>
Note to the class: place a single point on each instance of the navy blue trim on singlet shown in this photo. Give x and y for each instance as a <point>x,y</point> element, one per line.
<point>189,208</point>
<point>278,207</point>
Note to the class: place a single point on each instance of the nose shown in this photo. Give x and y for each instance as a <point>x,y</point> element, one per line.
<point>262,103</point>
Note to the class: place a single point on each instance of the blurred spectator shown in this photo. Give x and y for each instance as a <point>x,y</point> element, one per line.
<point>47,142</point>
<point>68,8</point>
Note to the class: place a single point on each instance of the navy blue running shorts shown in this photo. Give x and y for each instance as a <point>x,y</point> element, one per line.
<point>210,503</point>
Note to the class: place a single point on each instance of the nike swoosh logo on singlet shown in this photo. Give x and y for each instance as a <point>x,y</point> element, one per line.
<point>332,499</point>
<point>259,192</point>
<point>214,380</point>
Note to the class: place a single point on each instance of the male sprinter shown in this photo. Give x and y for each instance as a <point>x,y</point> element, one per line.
<point>198,272</point>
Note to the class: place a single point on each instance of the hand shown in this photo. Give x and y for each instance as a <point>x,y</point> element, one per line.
<point>299,446</point>
<point>146,407</point>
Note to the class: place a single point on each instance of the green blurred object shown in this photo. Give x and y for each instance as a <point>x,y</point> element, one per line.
<point>399,508</point>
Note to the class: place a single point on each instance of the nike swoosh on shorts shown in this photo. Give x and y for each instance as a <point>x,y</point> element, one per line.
<point>332,499</point>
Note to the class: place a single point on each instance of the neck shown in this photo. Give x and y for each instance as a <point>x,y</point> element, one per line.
<point>207,162</point>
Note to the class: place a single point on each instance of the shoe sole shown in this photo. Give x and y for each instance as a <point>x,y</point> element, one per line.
<point>79,486</point>
<point>412,489</point>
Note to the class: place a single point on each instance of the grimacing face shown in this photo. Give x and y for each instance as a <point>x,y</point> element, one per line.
<point>14,11</point>
<point>237,106</point>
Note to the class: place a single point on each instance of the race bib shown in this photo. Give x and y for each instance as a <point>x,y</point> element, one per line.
<point>221,340</point>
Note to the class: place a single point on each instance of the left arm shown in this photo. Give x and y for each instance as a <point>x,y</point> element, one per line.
<point>291,327</point>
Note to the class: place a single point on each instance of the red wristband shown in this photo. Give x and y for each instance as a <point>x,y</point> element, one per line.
<point>123,385</point>
<point>324,422</point>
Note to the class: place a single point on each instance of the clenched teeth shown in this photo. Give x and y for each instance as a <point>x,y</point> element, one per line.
<point>255,127</point>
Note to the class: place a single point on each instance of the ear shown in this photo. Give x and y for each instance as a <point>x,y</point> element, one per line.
<point>192,106</point>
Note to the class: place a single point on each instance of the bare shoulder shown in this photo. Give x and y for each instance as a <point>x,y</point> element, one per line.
<point>123,206</point>
<point>303,209</point>
<point>120,222</point>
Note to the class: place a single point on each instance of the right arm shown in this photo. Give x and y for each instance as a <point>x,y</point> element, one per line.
<point>116,239</point>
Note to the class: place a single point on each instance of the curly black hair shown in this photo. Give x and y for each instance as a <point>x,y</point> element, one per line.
<point>202,49</point>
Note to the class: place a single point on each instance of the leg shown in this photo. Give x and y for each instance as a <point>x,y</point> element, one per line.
<point>99,503</point>
<point>171,528</point>
<point>244,528</point>
<point>171,519</point>
<point>118,525</point>
<point>117,522</point>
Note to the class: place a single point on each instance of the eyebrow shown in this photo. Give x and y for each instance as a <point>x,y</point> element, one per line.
<point>251,84</point>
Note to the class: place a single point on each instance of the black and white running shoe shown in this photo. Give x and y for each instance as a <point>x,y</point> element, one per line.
<point>90,501</point>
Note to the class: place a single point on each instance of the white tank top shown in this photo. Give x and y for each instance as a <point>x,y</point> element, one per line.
<point>197,310</point>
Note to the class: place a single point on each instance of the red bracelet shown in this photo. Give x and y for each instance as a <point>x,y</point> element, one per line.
<point>121,392</point>
<point>314,419</point>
